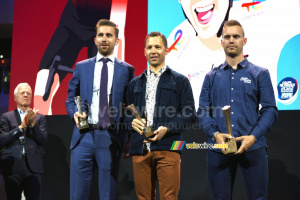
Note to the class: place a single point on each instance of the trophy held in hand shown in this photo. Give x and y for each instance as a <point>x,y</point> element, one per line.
<point>82,123</point>
<point>148,130</point>
<point>231,143</point>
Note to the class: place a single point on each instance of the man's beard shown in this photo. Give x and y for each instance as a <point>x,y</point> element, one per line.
<point>232,55</point>
<point>105,52</point>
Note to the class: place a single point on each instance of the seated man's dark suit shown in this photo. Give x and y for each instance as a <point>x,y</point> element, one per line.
<point>22,171</point>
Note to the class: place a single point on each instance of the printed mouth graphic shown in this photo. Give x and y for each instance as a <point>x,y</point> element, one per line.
<point>204,14</point>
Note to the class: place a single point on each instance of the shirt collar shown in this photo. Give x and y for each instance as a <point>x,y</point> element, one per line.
<point>159,73</point>
<point>241,64</point>
<point>167,69</point>
<point>21,111</point>
<point>111,57</point>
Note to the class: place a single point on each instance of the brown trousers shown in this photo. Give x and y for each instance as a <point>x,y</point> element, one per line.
<point>161,165</point>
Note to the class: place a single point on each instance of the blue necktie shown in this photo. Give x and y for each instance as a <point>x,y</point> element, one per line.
<point>103,105</point>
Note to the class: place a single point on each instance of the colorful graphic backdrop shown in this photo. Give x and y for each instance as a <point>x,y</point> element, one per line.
<point>41,48</point>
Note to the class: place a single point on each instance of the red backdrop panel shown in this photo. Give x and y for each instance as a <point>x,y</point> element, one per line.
<point>34,24</point>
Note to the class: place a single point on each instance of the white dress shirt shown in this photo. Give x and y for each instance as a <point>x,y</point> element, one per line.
<point>151,88</point>
<point>22,113</point>
<point>22,137</point>
<point>94,110</point>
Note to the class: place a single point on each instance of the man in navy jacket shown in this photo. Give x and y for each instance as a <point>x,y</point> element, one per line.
<point>164,100</point>
<point>21,147</point>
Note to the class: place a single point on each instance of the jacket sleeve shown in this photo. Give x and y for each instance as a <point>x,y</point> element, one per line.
<point>131,74</point>
<point>127,91</point>
<point>7,135</point>
<point>205,120</point>
<point>39,131</point>
<point>268,112</point>
<point>74,90</point>
<point>129,100</point>
<point>126,99</point>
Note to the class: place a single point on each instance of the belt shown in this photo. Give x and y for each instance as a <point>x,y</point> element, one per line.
<point>96,126</point>
<point>109,127</point>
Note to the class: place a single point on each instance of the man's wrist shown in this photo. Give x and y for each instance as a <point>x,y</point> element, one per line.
<point>21,128</point>
<point>215,134</point>
<point>168,130</point>
<point>254,138</point>
<point>32,125</point>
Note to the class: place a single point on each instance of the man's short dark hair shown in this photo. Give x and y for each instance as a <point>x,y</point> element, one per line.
<point>157,34</point>
<point>234,22</point>
<point>106,22</point>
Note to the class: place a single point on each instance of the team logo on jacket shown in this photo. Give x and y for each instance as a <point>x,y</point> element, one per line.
<point>245,79</point>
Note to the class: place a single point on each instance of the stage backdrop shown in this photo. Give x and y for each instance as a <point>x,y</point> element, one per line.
<point>271,26</point>
<point>49,37</point>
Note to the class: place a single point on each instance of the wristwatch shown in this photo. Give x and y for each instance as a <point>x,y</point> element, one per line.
<point>215,134</point>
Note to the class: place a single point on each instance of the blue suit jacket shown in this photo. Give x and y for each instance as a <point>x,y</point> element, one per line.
<point>35,137</point>
<point>81,84</point>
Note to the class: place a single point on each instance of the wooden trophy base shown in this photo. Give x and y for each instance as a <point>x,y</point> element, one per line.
<point>148,131</point>
<point>231,146</point>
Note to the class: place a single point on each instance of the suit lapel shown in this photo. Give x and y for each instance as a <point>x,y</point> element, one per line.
<point>17,116</point>
<point>90,68</point>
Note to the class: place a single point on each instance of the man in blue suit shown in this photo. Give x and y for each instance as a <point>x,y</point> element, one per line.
<point>22,138</point>
<point>101,82</point>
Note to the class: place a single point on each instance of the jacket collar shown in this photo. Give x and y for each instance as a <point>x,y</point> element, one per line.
<point>144,74</point>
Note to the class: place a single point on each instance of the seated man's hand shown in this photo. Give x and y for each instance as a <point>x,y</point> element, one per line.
<point>23,124</point>
<point>31,117</point>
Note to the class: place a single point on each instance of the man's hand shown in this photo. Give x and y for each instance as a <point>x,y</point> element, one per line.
<point>159,134</point>
<point>31,114</point>
<point>78,115</point>
<point>247,142</point>
<point>138,125</point>
<point>221,139</point>
<point>23,124</point>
